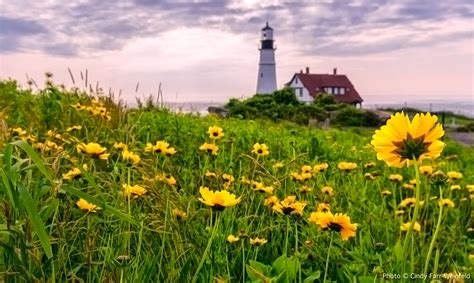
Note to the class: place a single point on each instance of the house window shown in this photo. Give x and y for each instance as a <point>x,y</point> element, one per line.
<point>336,90</point>
<point>342,91</point>
<point>329,90</point>
<point>299,92</point>
<point>296,80</point>
<point>261,75</point>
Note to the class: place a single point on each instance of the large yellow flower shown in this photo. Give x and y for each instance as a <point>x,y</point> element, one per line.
<point>93,149</point>
<point>336,222</point>
<point>215,132</point>
<point>402,142</point>
<point>218,199</point>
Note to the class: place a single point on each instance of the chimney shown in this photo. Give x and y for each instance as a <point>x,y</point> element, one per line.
<point>334,71</point>
<point>307,70</point>
<point>301,71</point>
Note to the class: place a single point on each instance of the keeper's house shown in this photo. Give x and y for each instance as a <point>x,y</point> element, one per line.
<point>307,86</point>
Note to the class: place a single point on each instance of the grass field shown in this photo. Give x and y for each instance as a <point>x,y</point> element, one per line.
<point>133,208</point>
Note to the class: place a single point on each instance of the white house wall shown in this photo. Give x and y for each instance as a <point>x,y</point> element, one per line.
<point>305,97</point>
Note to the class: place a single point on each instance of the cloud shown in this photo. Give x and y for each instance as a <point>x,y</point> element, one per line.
<point>318,27</point>
<point>14,32</point>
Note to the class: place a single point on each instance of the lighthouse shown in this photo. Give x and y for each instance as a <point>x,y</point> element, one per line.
<point>266,81</point>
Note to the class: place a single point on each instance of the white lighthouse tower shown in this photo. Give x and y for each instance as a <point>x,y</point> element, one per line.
<point>266,81</point>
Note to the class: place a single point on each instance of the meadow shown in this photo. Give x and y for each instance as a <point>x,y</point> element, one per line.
<point>91,191</point>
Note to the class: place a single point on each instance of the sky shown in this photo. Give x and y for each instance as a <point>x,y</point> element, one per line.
<point>207,51</point>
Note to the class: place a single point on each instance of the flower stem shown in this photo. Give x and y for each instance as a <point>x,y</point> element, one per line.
<point>435,235</point>
<point>206,251</point>
<point>287,234</point>
<point>327,258</point>
<point>415,213</point>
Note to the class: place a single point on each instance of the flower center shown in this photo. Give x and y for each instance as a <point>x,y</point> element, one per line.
<point>260,151</point>
<point>287,210</point>
<point>335,227</point>
<point>218,207</point>
<point>410,147</point>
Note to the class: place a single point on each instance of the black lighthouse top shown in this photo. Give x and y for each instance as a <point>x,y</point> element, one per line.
<point>267,27</point>
<point>267,38</point>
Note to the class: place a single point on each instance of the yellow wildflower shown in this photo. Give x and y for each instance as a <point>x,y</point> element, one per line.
<point>406,226</point>
<point>258,242</point>
<point>346,166</point>
<point>453,175</point>
<point>218,200</point>
<point>232,239</point>
<point>260,149</point>
<point>134,190</point>
<point>215,132</point>
<point>209,148</point>
<point>94,150</point>
<point>402,142</point>
<point>85,205</point>
<point>336,222</point>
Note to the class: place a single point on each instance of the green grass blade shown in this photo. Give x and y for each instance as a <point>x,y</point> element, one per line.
<point>34,156</point>
<point>36,220</point>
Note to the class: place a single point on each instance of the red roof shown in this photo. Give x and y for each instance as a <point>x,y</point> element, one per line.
<point>315,83</point>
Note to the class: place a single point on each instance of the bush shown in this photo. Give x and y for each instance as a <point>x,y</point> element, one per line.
<point>351,116</point>
<point>283,105</point>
